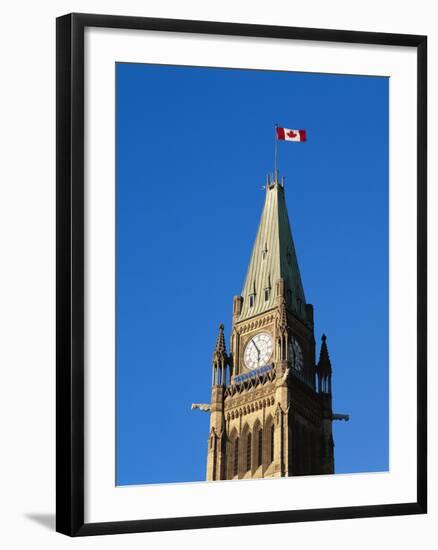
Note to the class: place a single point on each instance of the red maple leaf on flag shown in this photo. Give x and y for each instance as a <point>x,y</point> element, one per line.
<point>291,134</point>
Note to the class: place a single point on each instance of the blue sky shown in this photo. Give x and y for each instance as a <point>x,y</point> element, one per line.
<point>193,147</point>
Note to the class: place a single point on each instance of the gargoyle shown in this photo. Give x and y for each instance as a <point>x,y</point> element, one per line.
<point>204,407</point>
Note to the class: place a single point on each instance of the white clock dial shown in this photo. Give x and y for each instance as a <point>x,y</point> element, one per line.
<point>295,355</point>
<point>258,350</point>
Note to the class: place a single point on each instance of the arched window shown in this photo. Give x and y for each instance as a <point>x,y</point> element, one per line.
<point>315,457</point>
<point>248,453</point>
<point>307,448</point>
<point>271,458</point>
<point>236,456</point>
<point>299,448</point>
<point>260,447</point>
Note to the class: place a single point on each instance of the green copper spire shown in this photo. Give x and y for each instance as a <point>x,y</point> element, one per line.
<point>273,257</point>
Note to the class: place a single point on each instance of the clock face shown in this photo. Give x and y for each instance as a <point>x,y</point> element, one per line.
<point>258,350</point>
<point>295,355</point>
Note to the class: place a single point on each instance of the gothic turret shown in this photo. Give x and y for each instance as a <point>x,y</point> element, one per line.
<point>324,369</point>
<point>220,359</point>
<point>324,373</point>
<point>217,436</point>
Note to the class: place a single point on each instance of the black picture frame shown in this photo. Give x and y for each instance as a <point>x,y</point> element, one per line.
<point>70,273</point>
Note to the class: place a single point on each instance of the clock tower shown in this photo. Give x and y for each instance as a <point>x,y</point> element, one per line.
<point>271,400</point>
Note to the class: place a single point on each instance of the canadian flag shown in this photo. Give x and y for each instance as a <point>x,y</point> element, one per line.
<point>286,134</point>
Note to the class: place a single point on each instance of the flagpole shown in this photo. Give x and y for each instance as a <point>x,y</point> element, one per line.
<point>275,153</point>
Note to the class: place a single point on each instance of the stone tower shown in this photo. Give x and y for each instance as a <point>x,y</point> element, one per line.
<point>271,402</point>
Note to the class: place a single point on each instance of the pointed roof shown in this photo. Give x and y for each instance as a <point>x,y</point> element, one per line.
<point>273,257</point>
<point>220,350</point>
<point>324,363</point>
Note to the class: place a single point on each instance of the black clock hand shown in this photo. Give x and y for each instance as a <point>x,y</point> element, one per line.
<point>258,351</point>
<point>256,348</point>
<point>258,357</point>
